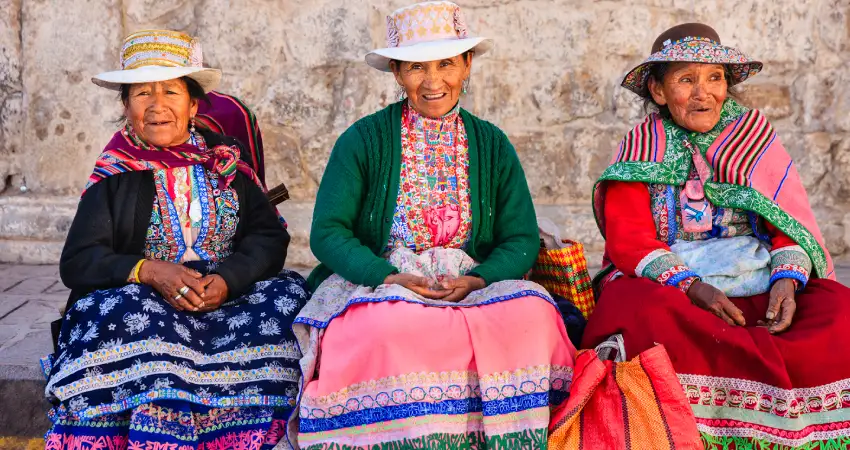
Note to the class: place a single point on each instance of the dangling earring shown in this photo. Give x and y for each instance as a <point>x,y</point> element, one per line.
<point>465,88</point>
<point>401,93</point>
<point>192,125</point>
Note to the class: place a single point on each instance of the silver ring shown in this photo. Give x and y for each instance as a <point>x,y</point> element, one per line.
<point>178,297</point>
<point>184,290</point>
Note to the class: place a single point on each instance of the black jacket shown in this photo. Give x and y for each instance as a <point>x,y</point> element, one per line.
<point>107,236</point>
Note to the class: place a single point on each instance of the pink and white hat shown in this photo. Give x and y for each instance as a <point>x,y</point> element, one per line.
<point>159,55</point>
<point>427,31</point>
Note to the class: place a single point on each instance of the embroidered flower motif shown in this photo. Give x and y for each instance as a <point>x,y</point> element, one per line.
<point>257,298</point>
<point>221,341</point>
<point>261,285</point>
<point>285,305</point>
<point>183,332</point>
<point>84,304</point>
<point>78,403</point>
<point>392,33</point>
<point>112,343</point>
<point>137,322</point>
<point>239,320</point>
<point>151,305</point>
<point>270,327</point>
<point>460,24</point>
<point>203,393</point>
<point>297,290</point>
<point>131,289</point>
<point>252,390</point>
<point>93,371</point>
<point>162,383</point>
<point>108,304</point>
<point>217,315</point>
<point>120,393</point>
<point>76,332</point>
<point>197,324</point>
<point>91,333</point>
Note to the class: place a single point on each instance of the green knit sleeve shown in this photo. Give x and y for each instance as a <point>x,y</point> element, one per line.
<point>338,205</point>
<point>515,236</point>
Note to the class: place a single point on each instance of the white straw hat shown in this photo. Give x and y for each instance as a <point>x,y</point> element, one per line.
<point>159,55</point>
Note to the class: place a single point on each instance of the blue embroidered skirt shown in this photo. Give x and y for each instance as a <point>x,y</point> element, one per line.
<point>132,372</point>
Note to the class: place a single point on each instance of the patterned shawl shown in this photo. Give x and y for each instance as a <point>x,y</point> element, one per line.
<point>126,153</point>
<point>750,170</point>
<point>227,115</point>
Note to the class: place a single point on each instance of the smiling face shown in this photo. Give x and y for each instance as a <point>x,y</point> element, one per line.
<point>694,93</point>
<point>160,112</point>
<point>433,87</point>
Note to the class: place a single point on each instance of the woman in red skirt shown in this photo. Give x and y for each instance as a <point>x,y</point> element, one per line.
<point>713,251</point>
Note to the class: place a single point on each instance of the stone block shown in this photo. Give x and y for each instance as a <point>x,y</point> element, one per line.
<point>824,100</point>
<point>61,101</point>
<point>530,30</point>
<point>10,46</point>
<point>155,14</point>
<point>561,164</point>
<point>773,99</point>
<point>536,94</point>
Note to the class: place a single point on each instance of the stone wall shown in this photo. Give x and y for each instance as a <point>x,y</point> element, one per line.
<point>551,83</point>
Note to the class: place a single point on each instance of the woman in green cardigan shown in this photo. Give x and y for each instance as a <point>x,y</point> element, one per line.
<point>421,332</point>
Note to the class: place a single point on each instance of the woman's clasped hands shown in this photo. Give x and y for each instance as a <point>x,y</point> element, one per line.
<point>780,310</point>
<point>453,290</point>
<point>183,288</point>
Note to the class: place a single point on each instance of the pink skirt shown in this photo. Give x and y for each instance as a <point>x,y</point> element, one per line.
<point>391,369</point>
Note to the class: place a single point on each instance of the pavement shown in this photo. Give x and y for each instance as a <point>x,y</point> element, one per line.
<point>30,298</point>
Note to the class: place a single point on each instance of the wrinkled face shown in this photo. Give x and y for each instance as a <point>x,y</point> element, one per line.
<point>160,112</point>
<point>693,92</point>
<point>433,87</point>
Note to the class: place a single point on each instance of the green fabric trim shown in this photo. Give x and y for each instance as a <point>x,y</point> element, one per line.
<point>743,443</point>
<point>676,166</point>
<point>528,439</point>
<point>661,264</point>
<point>791,256</point>
<point>734,196</point>
<point>771,420</point>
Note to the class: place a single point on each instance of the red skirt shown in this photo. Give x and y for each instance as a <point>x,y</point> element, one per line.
<point>748,388</point>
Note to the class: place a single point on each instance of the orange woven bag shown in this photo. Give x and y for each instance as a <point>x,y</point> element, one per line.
<point>563,271</point>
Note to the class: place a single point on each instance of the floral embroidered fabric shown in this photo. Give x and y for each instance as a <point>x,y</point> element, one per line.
<point>433,207</point>
<point>666,210</point>
<point>192,217</point>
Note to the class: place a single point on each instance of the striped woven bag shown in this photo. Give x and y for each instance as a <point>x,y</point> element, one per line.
<point>561,268</point>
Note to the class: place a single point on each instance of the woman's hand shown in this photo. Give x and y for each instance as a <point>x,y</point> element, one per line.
<point>216,292</point>
<point>417,284</point>
<point>461,287</point>
<point>715,301</point>
<point>780,310</point>
<point>168,278</point>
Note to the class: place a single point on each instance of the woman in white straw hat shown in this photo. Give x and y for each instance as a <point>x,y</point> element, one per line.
<point>177,332</point>
<point>421,333</point>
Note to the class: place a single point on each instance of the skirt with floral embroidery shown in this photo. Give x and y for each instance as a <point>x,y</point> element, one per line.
<point>132,372</point>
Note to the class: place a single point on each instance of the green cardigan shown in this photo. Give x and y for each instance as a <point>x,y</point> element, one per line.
<point>357,199</point>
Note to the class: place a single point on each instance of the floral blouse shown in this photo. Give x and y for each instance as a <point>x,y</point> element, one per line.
<point>433,208</point>
<point>192,218</point>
